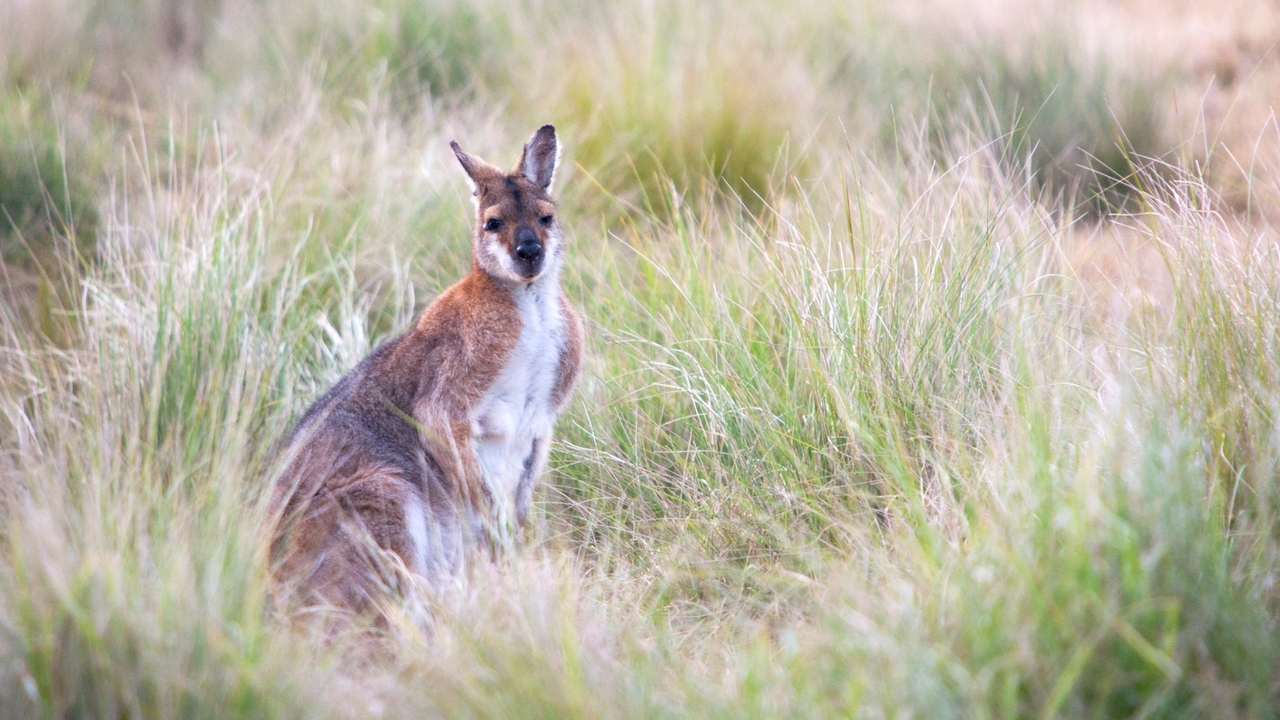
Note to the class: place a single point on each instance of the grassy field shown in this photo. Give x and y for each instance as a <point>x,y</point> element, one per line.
<point>933,363</point>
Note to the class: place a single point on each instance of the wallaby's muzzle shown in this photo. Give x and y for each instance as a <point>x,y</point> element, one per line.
<point>529,253</point>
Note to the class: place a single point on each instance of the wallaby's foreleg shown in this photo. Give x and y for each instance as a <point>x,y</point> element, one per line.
<point>534,463</point>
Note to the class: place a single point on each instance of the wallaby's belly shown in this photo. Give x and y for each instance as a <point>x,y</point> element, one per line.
<point>517,410</point>
<point>505,439</point>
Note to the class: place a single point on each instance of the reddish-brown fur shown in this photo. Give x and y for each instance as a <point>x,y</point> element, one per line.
<point>571,359</point>
<point>397,432</point>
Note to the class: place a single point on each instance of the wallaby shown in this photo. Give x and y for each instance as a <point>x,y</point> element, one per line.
<point>428,451</point>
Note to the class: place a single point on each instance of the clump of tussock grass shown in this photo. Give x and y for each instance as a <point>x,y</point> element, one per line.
<point>413,50</point>
<point>134,579</point>
<point>1102,585</point>
<point>830,344</point>
<point>48,181</point>
<point>655,106</point>
<point>50,177</point>
<point>1074,112</point>
<point>1216,356</point>
<point>379,194</point>
<point>1078,120</point>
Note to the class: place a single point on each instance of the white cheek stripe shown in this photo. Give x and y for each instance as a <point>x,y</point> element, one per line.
<point>493,248</point>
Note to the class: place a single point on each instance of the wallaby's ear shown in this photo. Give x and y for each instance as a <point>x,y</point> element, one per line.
<point>538,164</point>
<point>474,166</point>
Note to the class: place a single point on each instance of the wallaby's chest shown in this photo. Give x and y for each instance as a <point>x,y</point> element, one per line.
<point>517,408</point>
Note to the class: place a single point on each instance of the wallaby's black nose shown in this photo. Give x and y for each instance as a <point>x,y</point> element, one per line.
<point>528,248</point>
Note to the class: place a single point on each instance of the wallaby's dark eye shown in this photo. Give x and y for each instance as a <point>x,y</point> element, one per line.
<point>546,219</point>
<point>493,225</point>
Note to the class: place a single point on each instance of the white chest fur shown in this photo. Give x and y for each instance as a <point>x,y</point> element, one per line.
<point>512,424</point>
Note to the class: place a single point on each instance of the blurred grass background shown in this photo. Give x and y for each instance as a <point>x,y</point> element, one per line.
<point>932,368</point>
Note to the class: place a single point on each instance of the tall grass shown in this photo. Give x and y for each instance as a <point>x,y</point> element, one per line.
<point>854,437</point>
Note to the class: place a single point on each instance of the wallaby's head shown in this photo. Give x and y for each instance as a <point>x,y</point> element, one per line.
<point>517,236</point>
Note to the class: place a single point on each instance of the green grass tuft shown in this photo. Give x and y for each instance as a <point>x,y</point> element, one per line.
<point>48,183</point>
<point>659,121</point>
